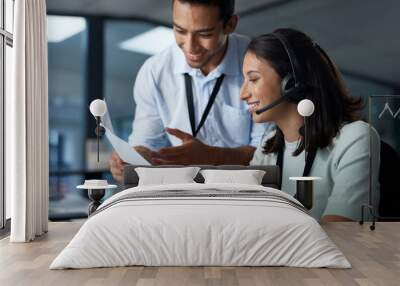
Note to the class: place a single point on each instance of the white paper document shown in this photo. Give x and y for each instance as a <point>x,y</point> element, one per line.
<point>126,152</point>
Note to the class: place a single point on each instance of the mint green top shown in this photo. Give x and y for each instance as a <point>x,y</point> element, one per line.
<point>344,167</point>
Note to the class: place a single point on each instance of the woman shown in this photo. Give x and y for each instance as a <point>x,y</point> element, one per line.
<point>288,63</point>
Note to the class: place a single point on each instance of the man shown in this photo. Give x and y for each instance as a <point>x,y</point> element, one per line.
<point>175,89</point>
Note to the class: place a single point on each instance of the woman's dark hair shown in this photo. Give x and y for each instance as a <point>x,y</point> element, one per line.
<point>333,103</point>
<point>226,7</point>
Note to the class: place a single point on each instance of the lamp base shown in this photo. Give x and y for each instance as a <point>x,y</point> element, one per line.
<point>96,191</point>
<point>305,190</point>
<point>95,196</point>
<point>305,193</point>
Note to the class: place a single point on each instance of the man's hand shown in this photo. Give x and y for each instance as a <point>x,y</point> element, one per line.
<point>145,152</point>
<point>192,151</point>
<point>117,165</point>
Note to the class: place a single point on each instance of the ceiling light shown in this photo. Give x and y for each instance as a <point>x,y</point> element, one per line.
<point>150,42</point>
<point>60,28</point>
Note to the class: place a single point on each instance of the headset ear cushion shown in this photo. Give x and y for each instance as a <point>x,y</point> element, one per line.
<point>292,91</point>
<point>287,84</point>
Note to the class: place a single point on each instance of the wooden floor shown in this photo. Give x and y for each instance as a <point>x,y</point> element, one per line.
<point>375,257</point>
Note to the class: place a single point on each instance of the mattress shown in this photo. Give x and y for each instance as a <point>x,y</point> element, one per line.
<point>201,225</point>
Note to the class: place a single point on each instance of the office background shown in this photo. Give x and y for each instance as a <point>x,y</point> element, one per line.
<point>105,43</point>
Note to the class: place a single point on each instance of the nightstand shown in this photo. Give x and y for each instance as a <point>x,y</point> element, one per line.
<point>96,191</point>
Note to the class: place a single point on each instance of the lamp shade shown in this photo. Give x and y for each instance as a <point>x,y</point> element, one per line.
<point>305,107</point>
<point>98,107</point>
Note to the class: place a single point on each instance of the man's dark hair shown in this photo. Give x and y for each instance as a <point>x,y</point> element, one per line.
<point>334,105</point>
<point>226,7</point>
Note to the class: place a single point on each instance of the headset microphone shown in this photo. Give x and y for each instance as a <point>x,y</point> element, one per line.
<point>293,94</point>
<point>270,106</point>
<point>290,91</point>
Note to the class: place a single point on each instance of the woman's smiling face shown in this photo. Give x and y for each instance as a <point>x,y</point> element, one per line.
<point>261,86</point>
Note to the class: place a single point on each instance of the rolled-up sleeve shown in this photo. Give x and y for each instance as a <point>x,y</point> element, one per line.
<point>147,127</point>
<point>351,175</point>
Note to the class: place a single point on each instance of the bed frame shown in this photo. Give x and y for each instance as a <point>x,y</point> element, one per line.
<point>270,179</point>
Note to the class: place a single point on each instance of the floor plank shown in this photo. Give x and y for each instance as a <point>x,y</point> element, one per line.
<point>374,255</point>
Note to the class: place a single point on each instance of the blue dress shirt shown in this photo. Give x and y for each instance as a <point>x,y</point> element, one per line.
<point>160,97</point>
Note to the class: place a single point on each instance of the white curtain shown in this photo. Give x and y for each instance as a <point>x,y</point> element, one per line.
<point>27,123</point>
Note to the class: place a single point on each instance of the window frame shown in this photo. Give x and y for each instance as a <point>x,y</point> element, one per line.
<point>94,73</point>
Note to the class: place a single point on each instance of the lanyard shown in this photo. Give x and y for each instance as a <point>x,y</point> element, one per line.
<point>307,168</point>
<point>189,96</point>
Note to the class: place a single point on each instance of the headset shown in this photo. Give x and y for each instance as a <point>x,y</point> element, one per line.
<point>292,88</point>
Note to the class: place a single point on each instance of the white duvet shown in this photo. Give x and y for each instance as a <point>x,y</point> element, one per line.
<point>200,231</point>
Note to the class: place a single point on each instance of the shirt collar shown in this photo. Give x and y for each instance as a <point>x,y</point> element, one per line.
<point>230,64</point>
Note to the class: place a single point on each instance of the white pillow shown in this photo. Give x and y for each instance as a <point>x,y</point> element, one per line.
<point>165,176</point>
<point>248,177</point>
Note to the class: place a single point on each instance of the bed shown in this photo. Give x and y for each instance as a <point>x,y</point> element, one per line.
<point>197,224</point>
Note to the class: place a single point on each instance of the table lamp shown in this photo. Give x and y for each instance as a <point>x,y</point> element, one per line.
<point>98,108</point>
<point>96,188</point>
<point>305,185</point>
